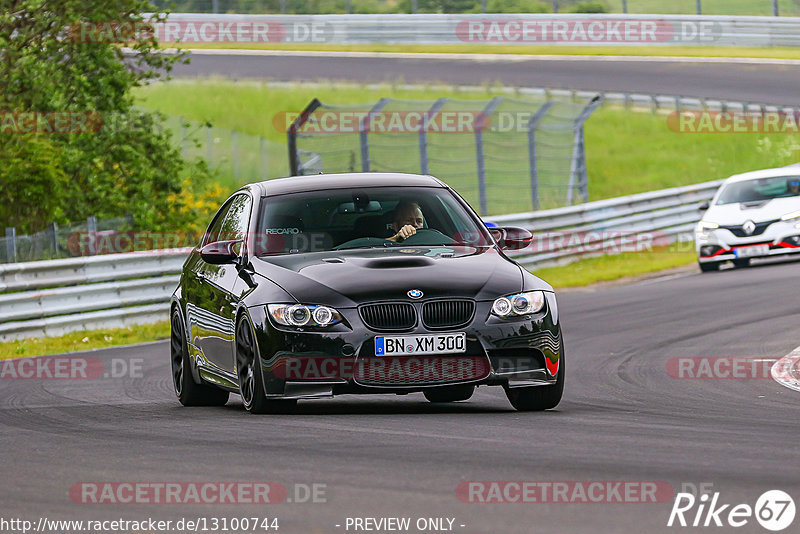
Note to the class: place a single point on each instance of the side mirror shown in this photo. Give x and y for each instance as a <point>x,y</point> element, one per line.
<point>511,237</point>
<point>221,252</point>
<point>704,206</point>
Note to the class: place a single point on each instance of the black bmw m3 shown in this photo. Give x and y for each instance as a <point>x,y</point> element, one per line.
<point>314,286</point>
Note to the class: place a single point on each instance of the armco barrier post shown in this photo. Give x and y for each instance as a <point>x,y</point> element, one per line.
<point>534,171</point>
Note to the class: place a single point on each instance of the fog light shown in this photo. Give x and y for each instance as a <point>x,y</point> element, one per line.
<point>709,250</point>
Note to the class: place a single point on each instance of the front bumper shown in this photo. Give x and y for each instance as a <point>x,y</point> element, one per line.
<point>718,245</point>
<point>524,351</point>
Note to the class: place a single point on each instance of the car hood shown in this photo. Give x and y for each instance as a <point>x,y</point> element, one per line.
<point>736,214</point>
<point>348,278</point>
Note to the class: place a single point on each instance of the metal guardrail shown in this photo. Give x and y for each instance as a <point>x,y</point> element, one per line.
<point>49,298</point>
<point>596,228</point>
<point>524,28</point>
<point>58,296</point>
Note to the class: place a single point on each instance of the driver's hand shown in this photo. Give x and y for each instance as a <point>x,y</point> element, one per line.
<point>404,233</point>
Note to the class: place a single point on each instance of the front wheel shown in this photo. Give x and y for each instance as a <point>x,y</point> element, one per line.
<point>538,398</point>
<point>189,392</point>
<point>449,393</point>
<point>251,381</point>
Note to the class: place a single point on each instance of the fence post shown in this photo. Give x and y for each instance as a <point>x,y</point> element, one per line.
<point>578,175</point>
<point>234,146</point>
<point>624,6</point>
<point>263,157</point>
<point>11,245</point>
<point>699,7</point>
<point>215,6</point>
<point>413,6</point>
<point>478,125</point>
<point>534,171</point>
<point>91,230</point>
<point>364,124</point>
<point>52,230</point>
<point>291,136</point>
<point>423,134</point>
<point>775,12</point>
<point>555,6</point>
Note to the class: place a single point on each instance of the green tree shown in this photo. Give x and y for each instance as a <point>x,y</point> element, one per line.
<point>52,61</point>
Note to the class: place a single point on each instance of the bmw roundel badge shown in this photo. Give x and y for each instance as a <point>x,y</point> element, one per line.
<point>414,293</point>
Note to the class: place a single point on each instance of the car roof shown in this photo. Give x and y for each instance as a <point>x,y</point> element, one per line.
<point>789,170</point>
<point>314,182</point>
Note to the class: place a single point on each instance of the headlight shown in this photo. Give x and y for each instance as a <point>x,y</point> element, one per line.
<point>705,225</point>
<point>303,315</point>
<point>519,304</point>
<point>790,216</point>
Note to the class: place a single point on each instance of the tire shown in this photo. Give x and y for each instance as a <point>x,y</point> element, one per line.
<point>449,393</point>
<point>538,398</point>
<point>189,392</point>
<point>251,381</point>
<point>709,267</point>
<point>741,263</point>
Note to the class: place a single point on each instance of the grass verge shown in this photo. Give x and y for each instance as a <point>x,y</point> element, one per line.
<point>83,340</point>
<point>617,266</point>
<point>538,50</point>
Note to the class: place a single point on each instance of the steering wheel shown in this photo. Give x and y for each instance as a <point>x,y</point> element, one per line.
<point>425,236</point>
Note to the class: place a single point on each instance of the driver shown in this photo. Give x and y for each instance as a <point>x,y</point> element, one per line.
<point>794,186</point>
<point>408,219</point>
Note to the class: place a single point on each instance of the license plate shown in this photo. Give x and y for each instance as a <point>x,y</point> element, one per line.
<point>423,344</point>
<point>747,252</point>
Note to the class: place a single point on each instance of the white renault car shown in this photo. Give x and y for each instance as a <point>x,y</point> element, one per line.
<point>752,215</point>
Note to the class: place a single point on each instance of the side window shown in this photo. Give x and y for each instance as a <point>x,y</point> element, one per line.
<point>237,221</point>
<point>231,221</point>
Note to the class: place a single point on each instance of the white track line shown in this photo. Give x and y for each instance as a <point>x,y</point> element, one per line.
<point>786,371</point>
<point>484,58</point>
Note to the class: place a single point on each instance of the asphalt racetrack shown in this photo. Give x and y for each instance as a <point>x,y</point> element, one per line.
<point>756,81</point>
<point>624,417</point>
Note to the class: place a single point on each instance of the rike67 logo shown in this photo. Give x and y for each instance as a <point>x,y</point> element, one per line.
<point>774,510</point>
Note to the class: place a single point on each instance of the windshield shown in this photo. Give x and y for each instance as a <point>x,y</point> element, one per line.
<point>341,219</point>
<point>760,190</point>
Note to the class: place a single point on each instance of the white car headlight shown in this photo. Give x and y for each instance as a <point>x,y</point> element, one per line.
<point>790,216</point>
<point>706,225</point>
<point>518,304</point>
<point>303,315</point>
